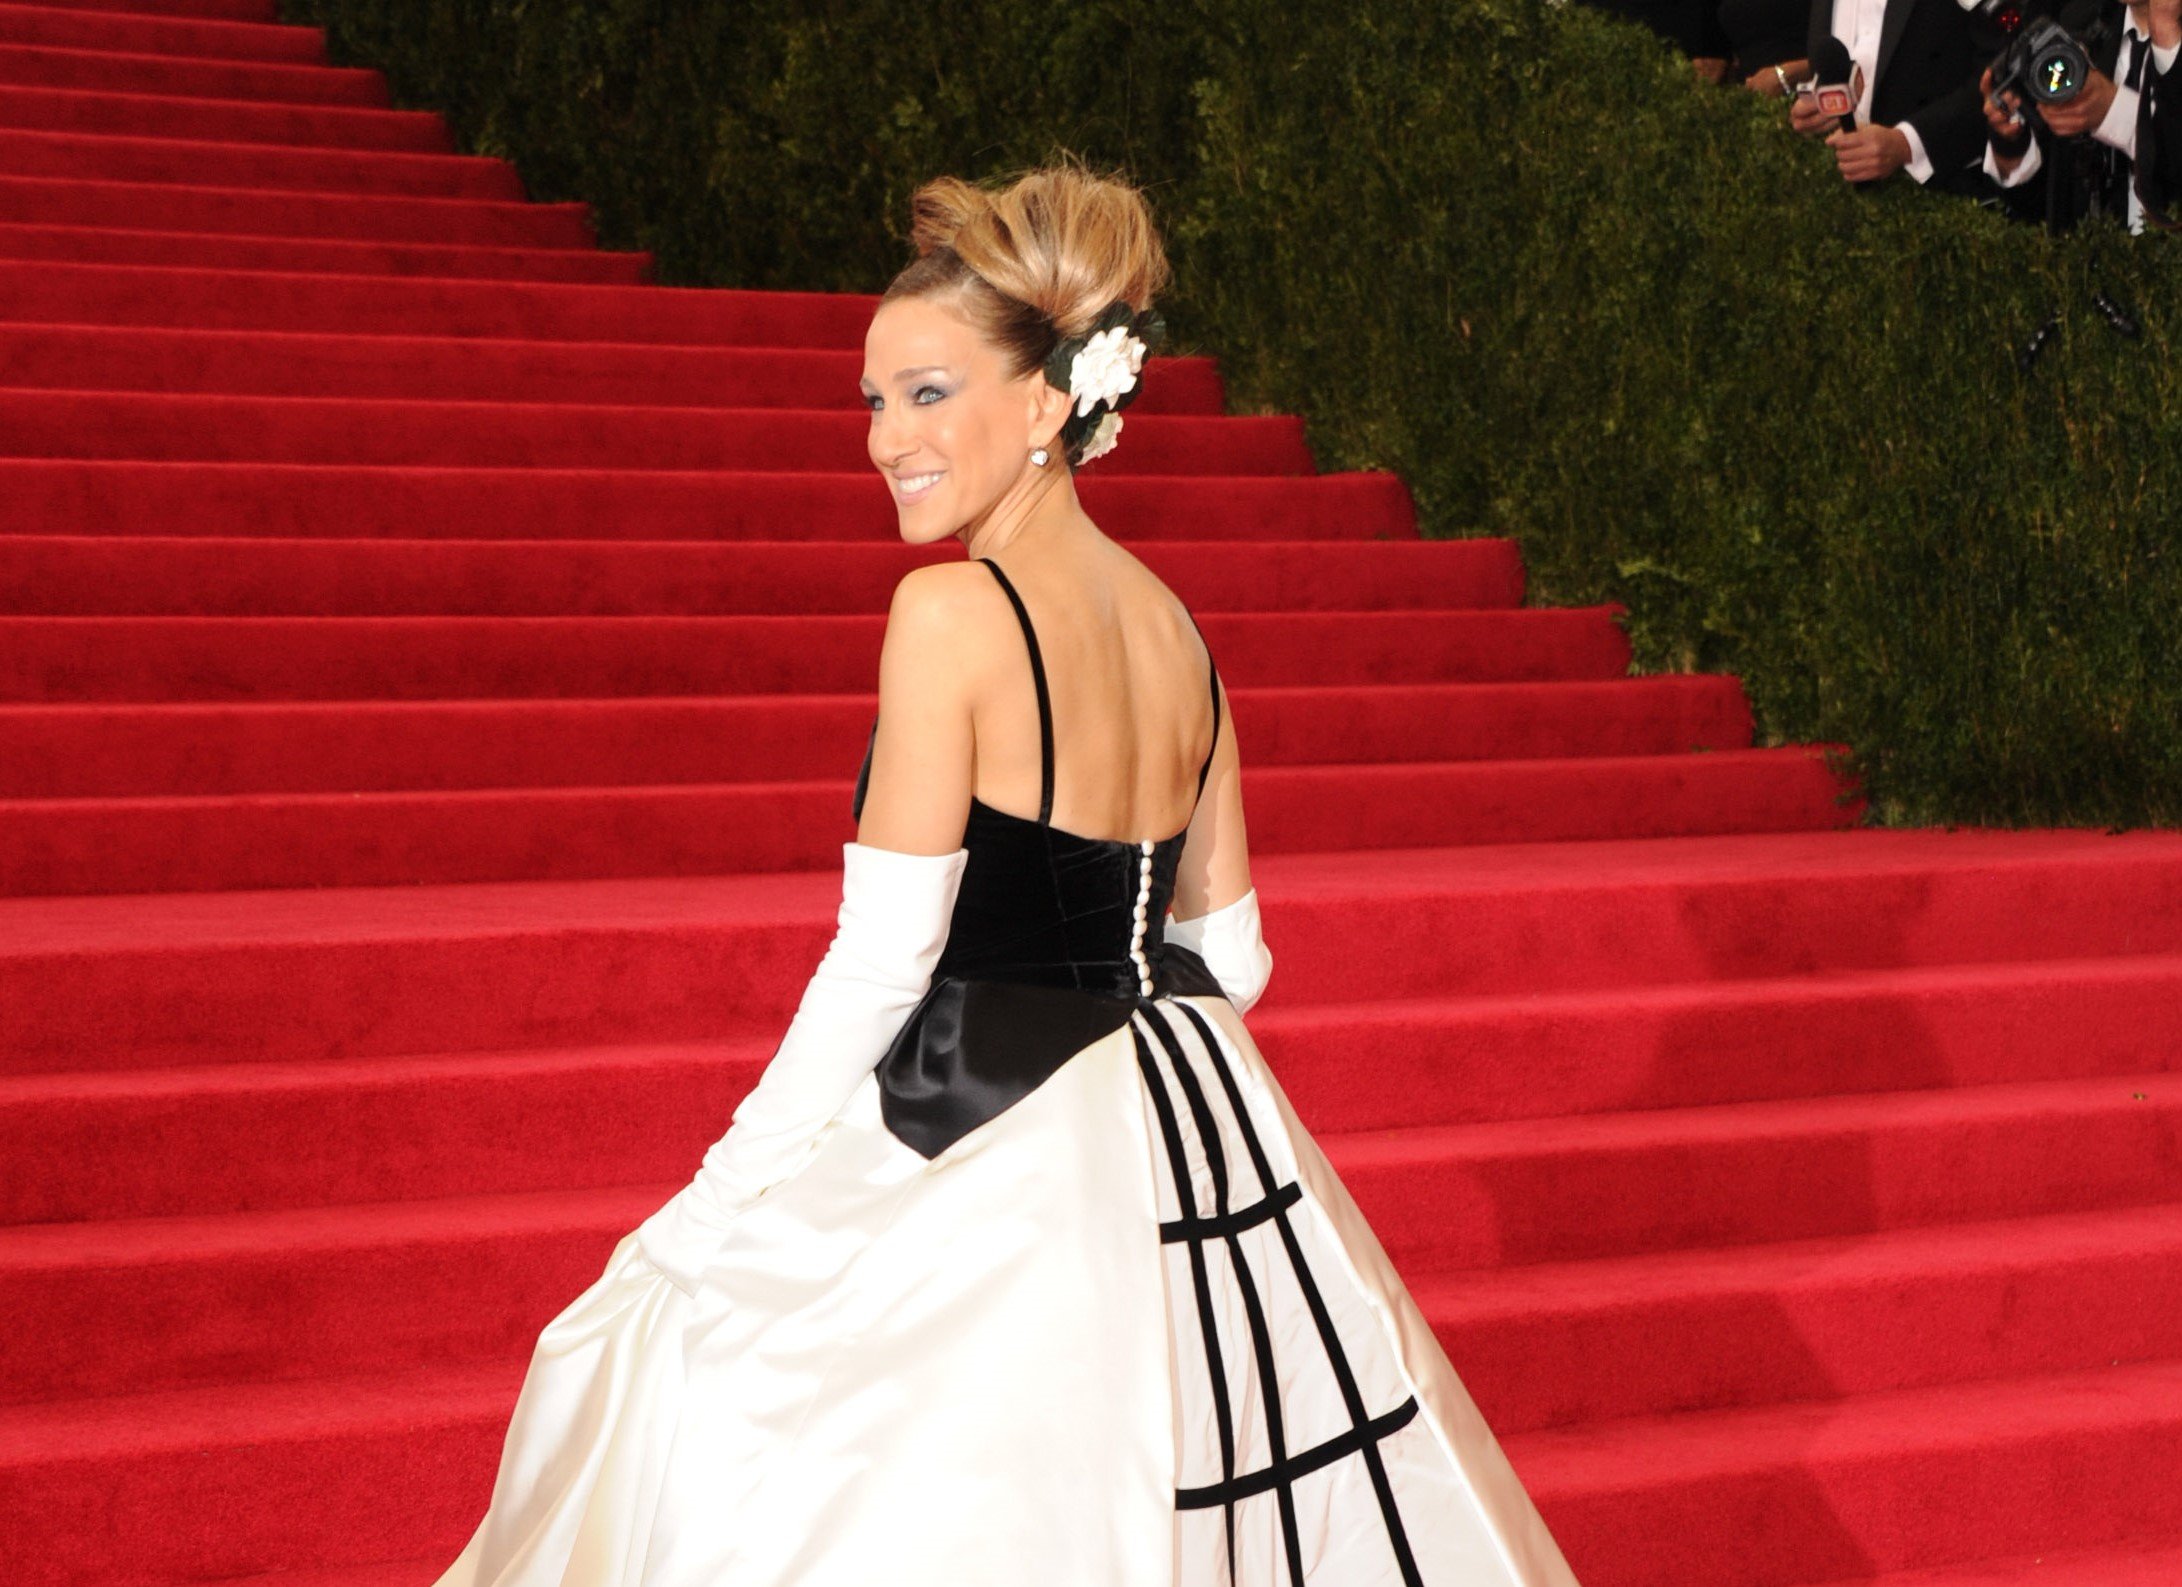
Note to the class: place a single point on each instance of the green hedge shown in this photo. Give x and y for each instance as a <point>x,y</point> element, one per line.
<point>1514,252</point>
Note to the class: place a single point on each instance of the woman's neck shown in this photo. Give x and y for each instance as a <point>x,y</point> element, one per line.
<point>1047,514</point>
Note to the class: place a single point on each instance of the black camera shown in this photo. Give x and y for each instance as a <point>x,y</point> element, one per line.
<point>2043,63</point>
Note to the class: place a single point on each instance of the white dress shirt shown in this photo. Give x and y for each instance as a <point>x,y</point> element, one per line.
<point>1857,23</point>
<point>2117,129</point>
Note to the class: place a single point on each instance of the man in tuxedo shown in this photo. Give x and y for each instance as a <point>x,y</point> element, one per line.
<point>1918,105</point>
<point>2101,124</point>
<point>2159,119</point>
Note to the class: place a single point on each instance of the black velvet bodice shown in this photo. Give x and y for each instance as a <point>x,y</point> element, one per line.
<point>1042,955</point>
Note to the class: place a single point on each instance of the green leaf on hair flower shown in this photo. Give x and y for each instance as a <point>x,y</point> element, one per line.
<point>1059,361</point>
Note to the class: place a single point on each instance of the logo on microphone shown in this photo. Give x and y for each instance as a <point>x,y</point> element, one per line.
<point>1839,99</point>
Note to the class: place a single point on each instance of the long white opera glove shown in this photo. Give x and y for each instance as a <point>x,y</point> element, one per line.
<point>895,910</point>
<point>1233,947</point>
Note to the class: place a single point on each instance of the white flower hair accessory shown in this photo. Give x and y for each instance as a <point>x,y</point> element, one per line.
<point>1105,367</point>
<point>1100,370</point>
<point>1102,437</point>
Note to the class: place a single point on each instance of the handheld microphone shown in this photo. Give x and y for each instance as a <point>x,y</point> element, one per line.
<point>1836,94</point>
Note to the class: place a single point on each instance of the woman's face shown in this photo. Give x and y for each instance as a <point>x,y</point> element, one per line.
<point>949,431</point>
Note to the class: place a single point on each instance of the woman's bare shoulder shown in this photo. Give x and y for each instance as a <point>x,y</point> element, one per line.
<point>951,586</point>
<point>945,617</point>
<point>943,600</point>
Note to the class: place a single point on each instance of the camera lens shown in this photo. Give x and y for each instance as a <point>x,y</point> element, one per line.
<point>2058,66</point>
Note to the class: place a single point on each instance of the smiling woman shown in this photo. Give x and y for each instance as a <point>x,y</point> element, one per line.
<point>1017,1265</point>
<point>917,389</point>
<point>996,360</point>
<point>942,421</point>
<point>975,354</point>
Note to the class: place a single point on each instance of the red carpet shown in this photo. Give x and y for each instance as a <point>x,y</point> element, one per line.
<point>432,666</point>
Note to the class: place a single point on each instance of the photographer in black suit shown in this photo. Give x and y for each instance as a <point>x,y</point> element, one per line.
<point>2097,174</point>
<point>1918,105</point>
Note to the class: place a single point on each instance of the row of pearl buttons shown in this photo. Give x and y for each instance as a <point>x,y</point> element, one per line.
<point>1143,906</point>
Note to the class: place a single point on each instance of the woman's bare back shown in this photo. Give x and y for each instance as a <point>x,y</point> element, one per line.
<point>1130,686</point>
<point>1129,683</point>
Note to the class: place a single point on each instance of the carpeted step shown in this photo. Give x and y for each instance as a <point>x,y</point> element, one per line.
<point>240,1135</point>
<point>99,982</point>
<point>222,120</point>
<point>204,576</point>
<point>274,658</point>
<point>362,305</point>
<point>188,77</point>
<point>139,33</point>
<point>102,983</point>
<point>127,498</point>
<point>159,1303</point>
<point>1802,1320</point>
<point>1884,1482</point>
<point>2147,1564</point>
<point>286,363</point>
<point>219,1124</point>
<point>195,1484</point>
<point>189,844</point>
<point>1553,1190</point>
<point>211,251</point>
<point>73,293</point>
<point>56,424</point>
<point>67,751</point>
<point>1561,917</point>
<point>339,1471</point>
<point>1481,1058</point>
<point>142,1304</point>
<point>245,1137</point>
<point>107,157</point>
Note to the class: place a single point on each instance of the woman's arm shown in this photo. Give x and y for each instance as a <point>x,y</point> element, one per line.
<point>1215,908</point>
<point>1215,865</point>
<point>923,757</point>
<point>897,899</point>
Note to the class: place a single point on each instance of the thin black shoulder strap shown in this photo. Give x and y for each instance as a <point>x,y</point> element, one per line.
<point>1214,669</point>
<point>1045,703</point>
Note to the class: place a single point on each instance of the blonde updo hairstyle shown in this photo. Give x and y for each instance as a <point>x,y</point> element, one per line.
<point>1034,261</point>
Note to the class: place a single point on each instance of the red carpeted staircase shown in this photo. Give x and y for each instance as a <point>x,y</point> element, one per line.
<point>433,664</point>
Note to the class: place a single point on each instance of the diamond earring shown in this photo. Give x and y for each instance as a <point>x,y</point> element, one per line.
<point>1038,456</point>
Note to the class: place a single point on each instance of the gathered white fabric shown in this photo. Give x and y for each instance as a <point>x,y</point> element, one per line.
<point>1232,943</point>
<point>892,925</point>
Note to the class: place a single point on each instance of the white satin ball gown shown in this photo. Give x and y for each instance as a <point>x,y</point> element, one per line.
<point>1062,1295</point>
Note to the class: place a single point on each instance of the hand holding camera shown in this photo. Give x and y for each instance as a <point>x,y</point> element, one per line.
<point>2003,112</point>
<point>2045,76</point>
<point>2083,110</point>
<point>2005,121</point>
